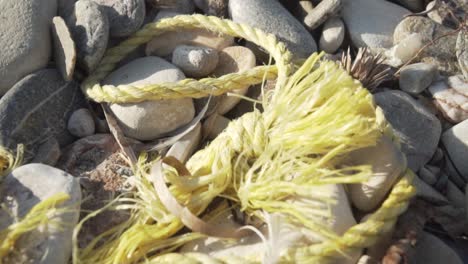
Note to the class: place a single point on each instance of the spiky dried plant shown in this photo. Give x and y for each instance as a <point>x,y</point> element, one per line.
<point>369,69</point>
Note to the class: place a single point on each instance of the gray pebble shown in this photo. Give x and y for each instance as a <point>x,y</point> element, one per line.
<point>415,78</point>
<point>271,17</point>
<point>64,48</point>
<point>25,187</point>
<point>195,61</point>
<point>418,129</point>
<point>90,30</point>
<point>462,52</point>
<point>25,38</point>
<point>455,141</point>
<point>81,123</point>
<point>181,6</point>
<point>125,16</point>
<point>332,35</point>
<point>319,14</point>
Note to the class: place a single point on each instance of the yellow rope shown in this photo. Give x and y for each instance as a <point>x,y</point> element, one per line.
<point>246,133</point>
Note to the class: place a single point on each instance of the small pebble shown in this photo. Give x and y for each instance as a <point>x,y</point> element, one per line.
<point>64,48</point>
<point>405,50</point>
<point>450,102</point>
<point>332,35</point>
<point>415,78</point>
<point>48,153</point>
<point>455,141</point>
<point>214,125</point>
<point>195,61</point>
<point>125,16</point>
<point>303,8</point>
<point>321,13</point>
<point>81,123</point>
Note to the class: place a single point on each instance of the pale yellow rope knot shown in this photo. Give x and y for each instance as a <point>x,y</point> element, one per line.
<point>314,116</point>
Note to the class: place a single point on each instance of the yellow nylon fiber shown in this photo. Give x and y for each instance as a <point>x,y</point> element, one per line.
<point>294,132</point>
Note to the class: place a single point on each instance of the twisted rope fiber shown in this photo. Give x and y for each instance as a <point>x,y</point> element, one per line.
<point>246,133</point>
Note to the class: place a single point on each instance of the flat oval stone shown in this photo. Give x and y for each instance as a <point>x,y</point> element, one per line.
<point>319,14</point>
<point>64,48</point>
<point>272,17</point>
<point>371,22</point>
<point>150,119</point>
<point>25,38</point>
<point>332,35</point>
<point>418,129</point>
<point>37,108</point>
<point>90,30</point>
<point>125,16</point>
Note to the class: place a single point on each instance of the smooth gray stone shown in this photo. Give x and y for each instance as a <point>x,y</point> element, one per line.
<point>37,108</point>
<point>25,38</point>
<point>89,27</point>
<point>371,23</point>
<point>272,17</point>
<point>418,129</point>
<point>25,187</point>
<point>415,78</point>
<point>455,141</point>
<point>125,16</point>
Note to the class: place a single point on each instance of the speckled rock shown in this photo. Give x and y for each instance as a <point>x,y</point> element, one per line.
<point>415,78</point>
<point>125,16</point>
<point>25,38</point>
<point>195,61</point>
<point>90,30</point>
<point>452,103</point>
<point>81,123</point>
<point>36,108</point>
<point>272,17</point>
<point>150,119</point>
<point>233,59</point>
<point>441,53</point>
<point>25,187</point>
<point>332,35</point>
<point>64,48</point>
<point>321,13</point>
<point>462,52</point>
<point>371,22</point>
<point>418,129</point>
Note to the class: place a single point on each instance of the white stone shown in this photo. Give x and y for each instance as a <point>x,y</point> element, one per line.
<point>25,187</point>
<point>415,78</point>
<point>25,38</point>
<point>232,60</point>
<point>371,23</point>
<point>451,103</point>
<point>81,123</point>
<point>332,35</point>
<point>456,142</point>
<point>388,164</point>
<point>184,148</point>
<point>150,119</point>
<point>195,61</point>
<point>405,50</point>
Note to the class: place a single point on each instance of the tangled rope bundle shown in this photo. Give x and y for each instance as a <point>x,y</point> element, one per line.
<point>315,116</point>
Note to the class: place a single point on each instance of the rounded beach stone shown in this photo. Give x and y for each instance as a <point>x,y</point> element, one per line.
<point>24,38</point>
<point>64,48</point>
<point>125,16</point>
<point>418,129</point>
<point>271,17</point>
<point>415,78</point>
<point>186,146</point>
<point>371,23</point>
<point>90,30</point>
<point>195,61</point>
<point>150,119</point>
<point>81,123</point>
<point>455,141</point>
<point>332,35</point>
<point>233,59</point>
